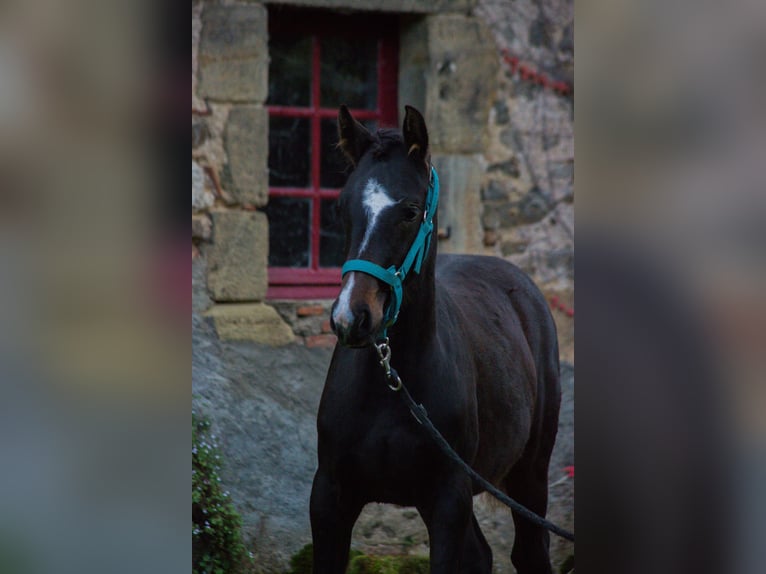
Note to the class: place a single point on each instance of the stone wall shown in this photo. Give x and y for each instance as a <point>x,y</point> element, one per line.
<point>229,173</point>
<point>528,187</point>
<point>448,68</point>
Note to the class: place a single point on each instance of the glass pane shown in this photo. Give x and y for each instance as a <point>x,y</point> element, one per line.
<point>289,231</point>
<point>289,152</point>
<point>349,72</point>
<point>334,166</point>
<point>290,72</point>
<point>331,237</point>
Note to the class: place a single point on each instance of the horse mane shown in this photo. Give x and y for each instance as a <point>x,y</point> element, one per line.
<point>386,139</point>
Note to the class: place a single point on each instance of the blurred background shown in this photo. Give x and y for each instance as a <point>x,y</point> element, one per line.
<point>671,204</point>
<point>94,349</point>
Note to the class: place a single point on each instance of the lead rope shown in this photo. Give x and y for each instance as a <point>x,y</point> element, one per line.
<point>419,412</point>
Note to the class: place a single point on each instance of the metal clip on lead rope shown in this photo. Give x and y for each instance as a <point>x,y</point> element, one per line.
<point>384,354</point>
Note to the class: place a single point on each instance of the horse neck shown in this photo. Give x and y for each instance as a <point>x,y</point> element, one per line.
<point>416,325</point>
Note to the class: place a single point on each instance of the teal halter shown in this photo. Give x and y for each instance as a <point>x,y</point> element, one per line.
<point>395,277</point>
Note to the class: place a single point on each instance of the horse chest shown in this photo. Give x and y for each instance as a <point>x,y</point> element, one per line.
<point>386,457</point>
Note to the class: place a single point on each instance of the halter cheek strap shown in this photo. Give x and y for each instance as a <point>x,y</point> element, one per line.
<point>393,276</point>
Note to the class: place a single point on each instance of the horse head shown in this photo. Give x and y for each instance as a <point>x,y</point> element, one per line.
<point>382,207</point>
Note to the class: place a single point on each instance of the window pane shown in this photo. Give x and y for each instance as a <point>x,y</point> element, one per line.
<point>290,71</point>
<point>331,237</point>
<point>289,225</point>
<point>289,152</point>
<point>349,72</point>
<point>334,167</point>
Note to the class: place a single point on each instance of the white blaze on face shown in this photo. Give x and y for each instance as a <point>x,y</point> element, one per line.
<point>342,314</point>
<point>375,199</point>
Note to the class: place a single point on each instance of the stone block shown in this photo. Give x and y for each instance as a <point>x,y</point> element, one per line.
<point>534,206</point>
<point>413,63</point>
<point>200,132</point>
<point>491,237</point>
<point>256,322</point>
<point>202,227</point>
<point>202,192</point>
<point>461,83</point>
<point>502,115</point>
<point>495,190</point>
<point>246,142</point>
<point>509,167</point>
<point>405,6</point>
<point>233,53</point>
<point>513,246</point>
<point>238,257</point>
<point>460,202</point>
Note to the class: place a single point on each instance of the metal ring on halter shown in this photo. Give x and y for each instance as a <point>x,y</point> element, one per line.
<point>397,385</point>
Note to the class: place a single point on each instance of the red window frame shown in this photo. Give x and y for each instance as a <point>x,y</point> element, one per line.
<point>315,281</point>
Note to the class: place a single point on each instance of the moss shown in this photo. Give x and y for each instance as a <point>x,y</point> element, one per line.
<point>414,565</point>
<point>359,563</point>
<point>370,565</point>
<point>301,561</point>
<point>389,565</point>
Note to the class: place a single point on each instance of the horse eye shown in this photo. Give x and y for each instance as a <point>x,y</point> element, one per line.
<point>412,214</point>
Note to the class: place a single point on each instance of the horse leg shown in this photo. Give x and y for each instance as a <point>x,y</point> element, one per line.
<point>447,514</point>
<point>528,484</point>
<point>477,555</point>
<point>332,519</point>
<point>530,545</point>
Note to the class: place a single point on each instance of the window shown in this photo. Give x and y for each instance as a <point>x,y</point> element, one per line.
<point>319,60</point>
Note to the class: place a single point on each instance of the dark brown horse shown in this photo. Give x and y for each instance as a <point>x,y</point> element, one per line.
<point>475,344</point>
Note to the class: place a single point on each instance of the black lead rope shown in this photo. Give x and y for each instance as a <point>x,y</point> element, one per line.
<point>420,414</point>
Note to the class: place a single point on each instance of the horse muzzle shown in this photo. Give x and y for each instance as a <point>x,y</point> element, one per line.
<point>357,313</point>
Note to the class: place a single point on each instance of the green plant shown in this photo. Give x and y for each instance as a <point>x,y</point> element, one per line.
<point>217,546</point>
<point>414,565</point>
<point>301,561</point>
<point>388,565</point>
<point>359,563</point>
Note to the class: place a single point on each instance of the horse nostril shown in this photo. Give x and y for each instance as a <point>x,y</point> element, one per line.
<point>363,319</point>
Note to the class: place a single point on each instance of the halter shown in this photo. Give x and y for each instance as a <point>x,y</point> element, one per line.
<point>395,277</point>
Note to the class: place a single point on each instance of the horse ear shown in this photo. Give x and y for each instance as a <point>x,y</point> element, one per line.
<point>354,139</point>
<point>415,134</point>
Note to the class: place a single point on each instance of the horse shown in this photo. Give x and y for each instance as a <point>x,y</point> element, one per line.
<point>476,345</point>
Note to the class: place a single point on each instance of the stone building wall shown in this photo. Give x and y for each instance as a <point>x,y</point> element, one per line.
<point>527,189</point>
<point>502,145</point>
<point>527,186</point>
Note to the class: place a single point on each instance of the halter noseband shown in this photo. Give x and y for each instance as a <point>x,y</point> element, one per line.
<point>395,277</point>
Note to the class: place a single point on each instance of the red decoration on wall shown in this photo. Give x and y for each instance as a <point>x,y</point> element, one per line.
<point>528,74</point>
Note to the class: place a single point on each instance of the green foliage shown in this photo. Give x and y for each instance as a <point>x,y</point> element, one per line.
<point>217,546</point>
<point>359,563</point>
<point>301,561</point>
<point>414,565</point>
<point>388,565</point>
